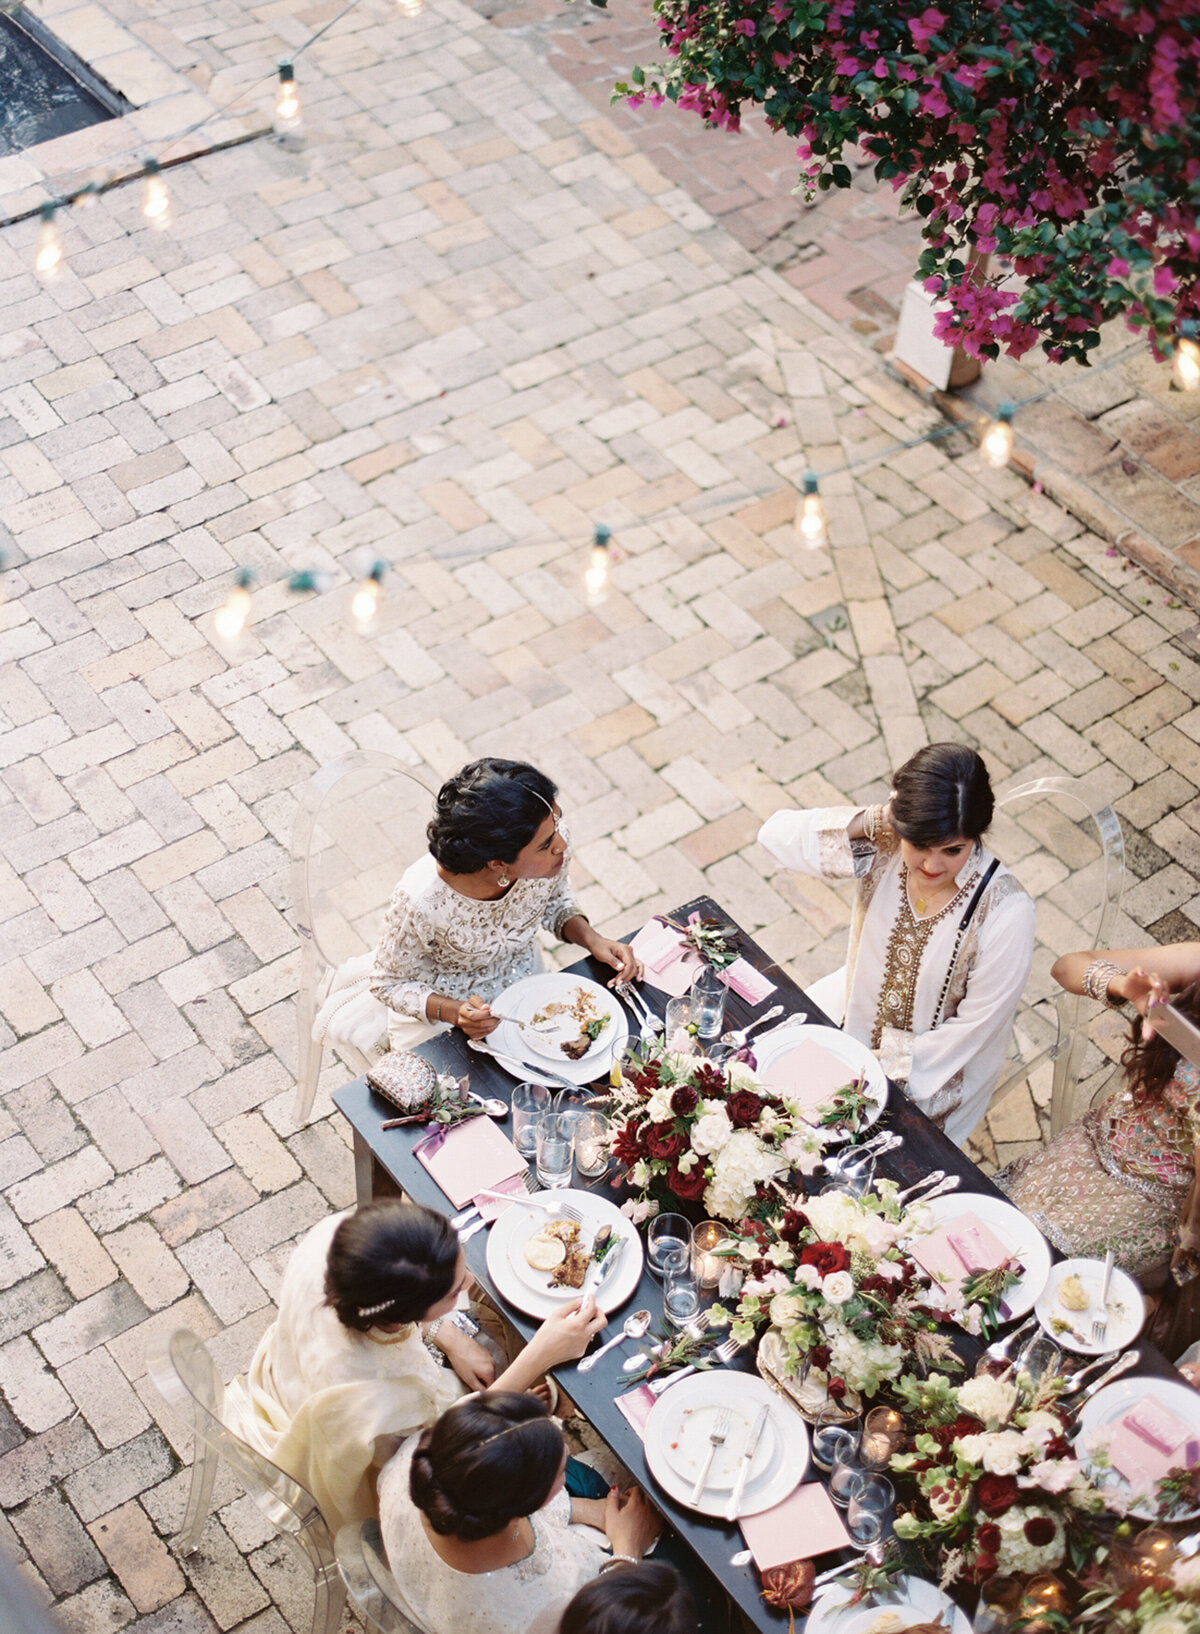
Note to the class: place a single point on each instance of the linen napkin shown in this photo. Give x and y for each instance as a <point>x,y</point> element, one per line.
<point>749,984</point>
<point>1148,1440</point>
<point>472,1156</point>
<point>960,1246</point>
<point>636,1405</point>
<point>806,1524</point>
<point>669,965</point>
<point>809,1073</point>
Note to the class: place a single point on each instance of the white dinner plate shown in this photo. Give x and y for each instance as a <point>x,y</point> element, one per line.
<point>687,1450</point>
<point>511,1046</point>
<point>1017,1233</point>
<point>1072,1329</point>
<point>514,1226</point>
<point>768,1483</point>
<point>860,1062</point>
<point>561,988</point>
<point>541,1282</point>
<point>1098,1414</point>
<point>912,1601</point>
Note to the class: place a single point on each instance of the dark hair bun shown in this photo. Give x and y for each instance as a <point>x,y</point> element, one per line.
<point>488,812</point>
<point>392,1261</point>
<point>942,793</point>
<point>487,1461</point>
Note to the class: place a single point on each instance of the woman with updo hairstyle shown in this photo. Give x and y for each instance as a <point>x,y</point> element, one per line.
<point>462,923</point>
<point>649,1598</point>
<point>356,1359</point>
<point>941,935</point>
<point>480,1529</point>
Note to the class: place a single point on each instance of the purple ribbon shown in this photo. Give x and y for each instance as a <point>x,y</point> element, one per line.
<point>432,1142</point>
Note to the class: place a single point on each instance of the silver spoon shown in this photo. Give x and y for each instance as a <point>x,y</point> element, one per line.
<point>734,1040</point>
<point>635,1327</point>
<point>493,1108</point>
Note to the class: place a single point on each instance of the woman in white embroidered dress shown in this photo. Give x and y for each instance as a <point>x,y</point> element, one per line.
<point>933,998</point>
<point>348,1368</point>
<point>462,923</point>
<point>479,1531</point>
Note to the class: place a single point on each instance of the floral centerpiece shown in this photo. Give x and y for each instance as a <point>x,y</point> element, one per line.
<point>840,1300</point>
<point>686,1128</point>
<point>995,1484</point>
<point>1168,1604</point>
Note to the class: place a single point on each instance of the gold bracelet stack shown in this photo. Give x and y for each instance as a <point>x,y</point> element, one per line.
<point>871,819</point>
<point>1096,979</point>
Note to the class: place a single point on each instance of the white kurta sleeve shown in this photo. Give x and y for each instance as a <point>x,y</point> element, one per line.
<point>952,1069</point>
<point>816,842</point>
<point>404,973</point>
<point>560,904</point>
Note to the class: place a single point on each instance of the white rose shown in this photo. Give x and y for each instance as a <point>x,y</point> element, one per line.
<point>970,1448</point>
<point>1003,1451</point>
<point>989,1399</point>
<point>1167,1623</point>
<point>711,1132</point>
<point>838,1287</point>
<point>785,1310</point>
<point>658,1107</point>
<point>808,1275</point>
<point>741,1076</point>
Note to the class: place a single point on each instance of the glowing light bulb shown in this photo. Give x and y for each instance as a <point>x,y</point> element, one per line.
<point>1187,357</point>
<point>410,8</point>
<point>50,248</point>
<point>229,620</point>
<point>811,520</point>
<point>369,594</point>
<point>287,101</point>
<point>599,565</point>
<point>996,444</point>
<point>156,200</point>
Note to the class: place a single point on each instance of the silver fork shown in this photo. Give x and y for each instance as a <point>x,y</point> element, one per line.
<point>650,1026</point>
<point>560,1211</point>
<point>1001,1350</point>
<point>725,1352</point>
<point>1100,1322</point>
<point>716,1439</point>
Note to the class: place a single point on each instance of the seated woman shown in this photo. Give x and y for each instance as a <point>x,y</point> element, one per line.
<point>480,1531</point>
<point>346,1370</point>
<point>941,938</point>
<point>462,923</point>
<point>1120,1177</point>
<point>646,1598</point>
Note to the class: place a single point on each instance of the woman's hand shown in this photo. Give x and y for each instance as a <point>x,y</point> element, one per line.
<point>619,955</point>
<point>631,1524</point>
<point>469,1359</point>
<point>1143,989</point>
<point>565,1336</point>
<point>475,1018</point>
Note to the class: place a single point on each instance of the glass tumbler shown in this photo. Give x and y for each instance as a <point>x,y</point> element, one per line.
<point>555,1140</point>
<point>844,1472</point>
<point>869,1509</point>
<point>708,995</point>
<point>832,1430</point>
<point>529,1101</point>
<point>668,1242</point>
<point>681,1293</point>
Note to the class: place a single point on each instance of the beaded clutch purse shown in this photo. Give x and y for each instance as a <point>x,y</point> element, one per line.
<point>408,1081</point>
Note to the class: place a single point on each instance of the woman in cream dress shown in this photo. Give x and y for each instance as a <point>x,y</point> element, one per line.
<point>346,1371</point>
<point>933,997</point>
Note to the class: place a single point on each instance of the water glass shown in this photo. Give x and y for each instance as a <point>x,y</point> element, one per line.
<point>676,1035</point>
<point>708,997</point>
<point>845,1472</point>
<point>869,1509</point>
<point>832,1429</point>
<point>1039,1359</point>
<point>668,1242</point>
<point>555,1139</point>
<point>681,1293</point>
<point>851,1185</point>
<point>577,1099</point>
<point>999,1602</point>
<point>591,1143</point>
<point>529,1101</point>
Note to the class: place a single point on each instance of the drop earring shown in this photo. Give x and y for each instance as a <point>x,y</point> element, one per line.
<point>503,882</point>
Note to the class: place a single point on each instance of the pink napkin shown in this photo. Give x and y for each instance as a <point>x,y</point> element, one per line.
<point>636,1405</point>
<point>669,966</point>
<point>748,983</point>
<point>803,1526</point>
<point>473,1155</point>
<point>809,1072</point>
<point>1148,1440</point>
<point>963,1245</point>
<point>491,1208</point>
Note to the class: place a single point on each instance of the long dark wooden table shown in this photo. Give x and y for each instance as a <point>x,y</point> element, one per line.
<point>384,1164</point>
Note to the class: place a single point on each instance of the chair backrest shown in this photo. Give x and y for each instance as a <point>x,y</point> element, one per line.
<point>373,1590</point>
<point>1068,851</point>
<point>360,823</point>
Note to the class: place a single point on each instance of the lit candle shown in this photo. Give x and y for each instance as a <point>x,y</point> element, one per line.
<point>708,1265</point>
<point>883,1434</point>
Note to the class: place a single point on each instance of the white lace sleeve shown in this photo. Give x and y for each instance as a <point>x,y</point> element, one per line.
<point>816,842</point>
<point>405,974</point>
<point>560,905</point>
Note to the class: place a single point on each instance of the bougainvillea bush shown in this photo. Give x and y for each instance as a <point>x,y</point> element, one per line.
<point>1062,139</point>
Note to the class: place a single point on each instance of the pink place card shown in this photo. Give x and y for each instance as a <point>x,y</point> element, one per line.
<point>473,1155</point>
<point>669,966</point>
<point>749,984</point>
<point>960,1246</point>
<point>1148,1440</point>
<point>802,1527</point>
<point>636,1406</point>
<point>809,1072</point>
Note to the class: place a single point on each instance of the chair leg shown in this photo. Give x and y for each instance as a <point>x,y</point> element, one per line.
<point>329,1598</point>
<point>204,1474</point>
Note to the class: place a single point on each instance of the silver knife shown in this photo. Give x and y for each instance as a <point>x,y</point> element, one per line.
<point>610,1264</point>
<point>747,1458</point>
<point>1122,1364</point>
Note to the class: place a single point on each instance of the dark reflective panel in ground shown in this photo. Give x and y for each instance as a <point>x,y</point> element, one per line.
<point>39,99</point>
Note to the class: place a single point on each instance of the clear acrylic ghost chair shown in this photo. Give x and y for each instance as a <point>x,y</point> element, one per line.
<point>360,823</point>
<point>373,1591</point>
<point>1068,852</point>
<point>183,1374</point>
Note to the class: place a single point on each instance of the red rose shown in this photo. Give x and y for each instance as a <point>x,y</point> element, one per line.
<point>1040,1530</point>
<point>836,1388</point>
<point>662,1141</point>
<point>793,1225</point>
<point>688,1186</point>
<point>743,1109</point>
<point>684,1101</point>
<point>985,1566</point>
<point>996,1493</point>
<point>820,1356</point>
<point>988,1538</point>
<point>827,1257</point>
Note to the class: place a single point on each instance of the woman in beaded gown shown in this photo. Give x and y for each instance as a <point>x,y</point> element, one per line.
<point>941,937</point>
<point>1121,1176</point>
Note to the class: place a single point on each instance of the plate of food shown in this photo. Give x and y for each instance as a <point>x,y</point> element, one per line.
<point>1145,1428</point>
<point>573,1009</point>
<point>539,1263</point>
<point>911,1604</point>
<point>965,1232</point>
<point>810,1066</point>
<point>1070,1303</point>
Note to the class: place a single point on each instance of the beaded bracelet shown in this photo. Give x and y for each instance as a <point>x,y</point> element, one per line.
<point>615,1560</point>
<point>1096,979</point>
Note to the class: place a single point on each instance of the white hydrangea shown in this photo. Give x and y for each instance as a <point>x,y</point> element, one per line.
<point>738,1168</point>
<point>1016,1553</point>
<point>863,1364</point>
<point>990,1399</point>
<point>711,1132</point>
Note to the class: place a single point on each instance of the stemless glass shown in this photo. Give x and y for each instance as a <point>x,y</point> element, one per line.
<point>999,1602</point>
<point>668,1242</point>
<point>869,1509</point>
<point>591,1143</point>
<point>529,1101</point>
<point>708,995</point>
<point>681,1293</point>
<point>845,1472</point>
<point>555,1145</point>
<point>832,1428</point>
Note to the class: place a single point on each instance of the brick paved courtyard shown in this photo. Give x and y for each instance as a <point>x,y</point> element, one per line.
<point>465,323</point>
